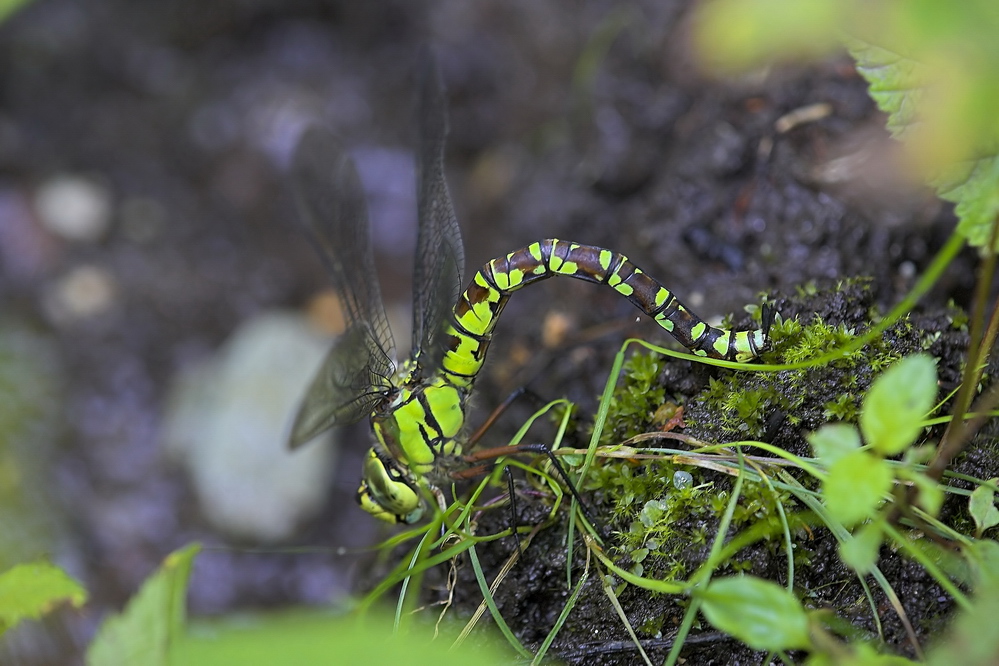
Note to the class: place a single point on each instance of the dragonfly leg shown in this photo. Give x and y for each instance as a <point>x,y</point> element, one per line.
<point>514,515</point>
<point>495,414</point>
<point>499,451</point>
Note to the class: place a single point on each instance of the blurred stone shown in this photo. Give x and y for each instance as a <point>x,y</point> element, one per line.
<point>228,421</point>
<point>84,292</point>
<point>76,208</point>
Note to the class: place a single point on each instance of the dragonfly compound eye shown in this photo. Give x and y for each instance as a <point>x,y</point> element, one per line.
<point>387,493</point>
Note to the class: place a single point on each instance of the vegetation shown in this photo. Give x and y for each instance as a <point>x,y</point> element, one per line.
<point>870,477</point>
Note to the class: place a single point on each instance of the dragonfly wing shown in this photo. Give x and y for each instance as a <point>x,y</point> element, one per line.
<point>440,256</point>
<point>330,201</point>
<point>346,389</point>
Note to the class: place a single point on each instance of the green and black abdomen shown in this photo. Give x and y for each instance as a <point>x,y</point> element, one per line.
<point>480,305</point>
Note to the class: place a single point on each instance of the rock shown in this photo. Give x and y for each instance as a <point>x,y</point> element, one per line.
<point>228,422</point>
<point>75,208</point>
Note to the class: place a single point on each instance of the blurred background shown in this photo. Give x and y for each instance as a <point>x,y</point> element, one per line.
<point>160,311</point>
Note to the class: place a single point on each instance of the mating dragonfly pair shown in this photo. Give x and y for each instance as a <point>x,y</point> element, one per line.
<point>417,409</point>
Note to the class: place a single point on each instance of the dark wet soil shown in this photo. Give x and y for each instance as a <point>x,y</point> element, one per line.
<point>185,113</point>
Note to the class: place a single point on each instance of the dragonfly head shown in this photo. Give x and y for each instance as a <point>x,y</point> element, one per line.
<point>388,491</point>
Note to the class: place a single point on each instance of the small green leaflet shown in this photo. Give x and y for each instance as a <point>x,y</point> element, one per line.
<point>983,508</point>
<point>896,404</point>
<point>758,612</point>
<point>29,591</point>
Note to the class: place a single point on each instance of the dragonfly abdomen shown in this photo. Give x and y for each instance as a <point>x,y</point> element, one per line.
<point>479,307</point>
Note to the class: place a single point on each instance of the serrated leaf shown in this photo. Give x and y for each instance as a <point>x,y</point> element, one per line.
<point>855,487</point>
<point>974,186</point>
<point>983,508</point>
<point>29,591</point>
<point>760,613</point>
<point>896,404</point>
<point>898,84</point>
<point>833,441</point>
<point>152,620</point>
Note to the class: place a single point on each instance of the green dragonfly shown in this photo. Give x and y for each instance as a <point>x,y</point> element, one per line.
<point>417,408</point>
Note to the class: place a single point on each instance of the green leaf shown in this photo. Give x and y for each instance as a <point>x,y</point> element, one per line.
<point>897,402</point>
<point>983,555</point>
<point>863,655</point>
<point>855,487</point>
<point>983,509</point>
<point>831,442</point>
<point>320,637</point>
<point>898,84</point>
<point>8,7</point>
<point>760,613</point>
<point>972,639</point>
<point>29,591</point>
<point>739,33</point>
<point>152,621</point>
<point>931,495</point>
<point>860,551</point>
<point>974,186</point>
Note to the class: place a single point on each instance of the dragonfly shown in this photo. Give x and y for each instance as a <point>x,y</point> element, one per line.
<point>417,408</point>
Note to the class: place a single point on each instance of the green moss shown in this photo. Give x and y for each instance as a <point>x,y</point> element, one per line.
<point>663,528</point>
<point>637,398</point>
<point>738,404</point>
<point>843,408</point>
<point>798,342</point>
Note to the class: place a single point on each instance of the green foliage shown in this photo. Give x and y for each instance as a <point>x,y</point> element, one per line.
<point>857,654</point>
<point>834,441</point>
<point>966,174</point>
<point>29,591</point>
<point>8,7</point>
<point>152,621</point>
<point>667,516</point>
<point>31,411</point>
<point>972,639</point>
<point>761,614</point>
<point>314,637</point>
<point>635,400</point>
<point>661,516</point>
<point>153,630</point>
<point>931,67</point>
<point>742,410</point>
<point>895,406</point>
<point>856,486</point>
<point>803,342</point>
<point>860,551</point>
<point>983,508</point>
<point>843,408</point>
<point>741,406</point>
<point>858,479</point>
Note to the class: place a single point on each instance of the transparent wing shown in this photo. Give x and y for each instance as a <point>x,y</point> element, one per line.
<point>440,257</point>
<point>355,374</point>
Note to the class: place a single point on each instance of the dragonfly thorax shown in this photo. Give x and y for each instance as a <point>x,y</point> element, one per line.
<point>420,424</point>
<point>413,431</point>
